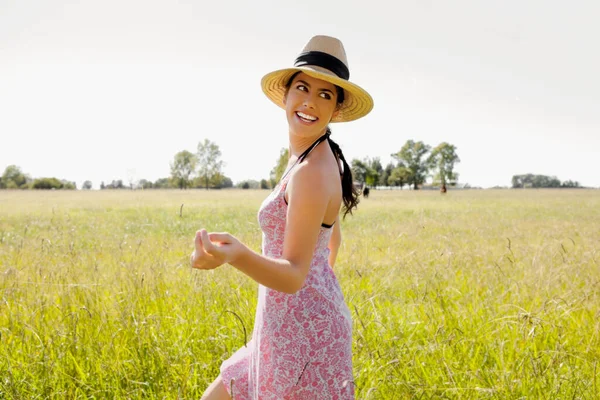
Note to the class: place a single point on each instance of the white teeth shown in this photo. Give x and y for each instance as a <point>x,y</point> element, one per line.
<point>306,116</point>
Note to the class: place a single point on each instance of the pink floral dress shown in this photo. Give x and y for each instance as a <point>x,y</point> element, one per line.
<point>301,346</point>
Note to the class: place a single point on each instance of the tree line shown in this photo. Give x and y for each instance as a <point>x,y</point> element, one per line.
<point>202,169</point>
<point>411,166</point>
<point>14,178</point>
<point>414,163</point>
<point>541,181</point>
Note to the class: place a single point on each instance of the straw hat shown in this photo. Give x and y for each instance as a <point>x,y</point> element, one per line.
<point>323,58</point>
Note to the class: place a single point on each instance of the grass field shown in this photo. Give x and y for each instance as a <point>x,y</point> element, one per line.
<point>476,294</point>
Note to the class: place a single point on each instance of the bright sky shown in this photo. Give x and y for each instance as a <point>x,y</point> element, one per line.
<point>113,89</point>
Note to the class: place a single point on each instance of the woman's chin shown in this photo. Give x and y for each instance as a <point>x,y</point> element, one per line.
<point>307,131</point>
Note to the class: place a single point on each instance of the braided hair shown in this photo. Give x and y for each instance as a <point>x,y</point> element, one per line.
<point>349,192</point>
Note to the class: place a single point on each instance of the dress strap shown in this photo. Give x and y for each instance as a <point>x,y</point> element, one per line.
<point>312,146</point>
<point>306,152</point>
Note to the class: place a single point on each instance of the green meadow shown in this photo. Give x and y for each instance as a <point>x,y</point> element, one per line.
<point>489,294</point>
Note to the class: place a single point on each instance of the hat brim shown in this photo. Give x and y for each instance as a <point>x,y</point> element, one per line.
<point>357,102</point>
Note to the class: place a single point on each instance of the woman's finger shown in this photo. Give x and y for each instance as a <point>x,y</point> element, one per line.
<point>208,245</point>
<point>219,237</point>
<point>198,242</point>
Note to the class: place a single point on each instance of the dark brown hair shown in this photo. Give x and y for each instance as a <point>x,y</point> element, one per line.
<point>349,192</point>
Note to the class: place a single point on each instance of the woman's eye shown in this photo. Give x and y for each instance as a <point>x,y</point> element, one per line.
<point>326,95</point>
<point>301,87</point>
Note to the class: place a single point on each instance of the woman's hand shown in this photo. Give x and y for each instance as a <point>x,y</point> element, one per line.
<point>214,249</point>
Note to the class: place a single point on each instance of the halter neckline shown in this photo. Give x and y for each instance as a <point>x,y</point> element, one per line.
<point>306,152</point>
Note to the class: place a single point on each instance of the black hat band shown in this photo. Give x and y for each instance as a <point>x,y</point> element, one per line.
<point>323,60</point>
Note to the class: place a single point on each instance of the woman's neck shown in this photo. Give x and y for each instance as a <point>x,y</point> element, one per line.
<point>299,144</point>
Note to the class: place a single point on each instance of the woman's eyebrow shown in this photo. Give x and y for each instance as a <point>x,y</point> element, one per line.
<point>307,85</point>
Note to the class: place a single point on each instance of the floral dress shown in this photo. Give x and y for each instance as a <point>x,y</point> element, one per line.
<point>301,346</point>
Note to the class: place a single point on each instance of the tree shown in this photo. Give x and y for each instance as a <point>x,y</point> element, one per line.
<point>217,180</point>
<point>367,170</point>
<point>118,184</point>
<point>68,185</point>
<point>227,182</point>
<point>14,178</point>
<point>209,161</point>
<point>248,184</point>
<point>279,169</point>
<point>46,183</point>
<point>53,183</point>
<point>144,184</point>
<point>264,184</point>
<point>570,184</point>
<point>539,181</point>
<point>412,155</point>
<point>399,176</point>
<point>359,170</point>
<point>374,171</point>
<point>161,183</point>
<point>87,185</point>
<point>543,181</point>
<point>182,168</point>
<point>442,160</point>
<point>385,174</point>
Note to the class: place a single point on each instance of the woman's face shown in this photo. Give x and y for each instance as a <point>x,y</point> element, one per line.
<point>310,103</point>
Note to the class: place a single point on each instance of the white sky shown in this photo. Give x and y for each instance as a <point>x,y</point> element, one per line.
<point>112,89</point>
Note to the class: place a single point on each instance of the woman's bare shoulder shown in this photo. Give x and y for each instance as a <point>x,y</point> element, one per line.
<point>309,176</point>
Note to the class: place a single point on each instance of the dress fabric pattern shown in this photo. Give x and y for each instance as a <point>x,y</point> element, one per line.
<point>301,346</point>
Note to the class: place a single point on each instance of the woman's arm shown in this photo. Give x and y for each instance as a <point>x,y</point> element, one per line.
<point>307,202</point>
<point>215,249</point>
<point>335,241</point>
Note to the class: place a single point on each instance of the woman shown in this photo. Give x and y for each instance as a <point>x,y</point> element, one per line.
<point>301,346</point>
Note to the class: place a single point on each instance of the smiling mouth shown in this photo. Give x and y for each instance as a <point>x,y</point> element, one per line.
<point>306,117</point>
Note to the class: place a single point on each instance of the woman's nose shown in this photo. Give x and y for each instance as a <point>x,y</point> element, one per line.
<point>309,102</point>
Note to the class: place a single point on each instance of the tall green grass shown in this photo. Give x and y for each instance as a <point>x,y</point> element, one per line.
<point>475,294</point>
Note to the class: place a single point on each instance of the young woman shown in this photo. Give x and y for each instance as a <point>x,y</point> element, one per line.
<point>301,346</point>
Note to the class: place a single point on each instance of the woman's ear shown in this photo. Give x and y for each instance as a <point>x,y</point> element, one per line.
<point>285,98</point>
